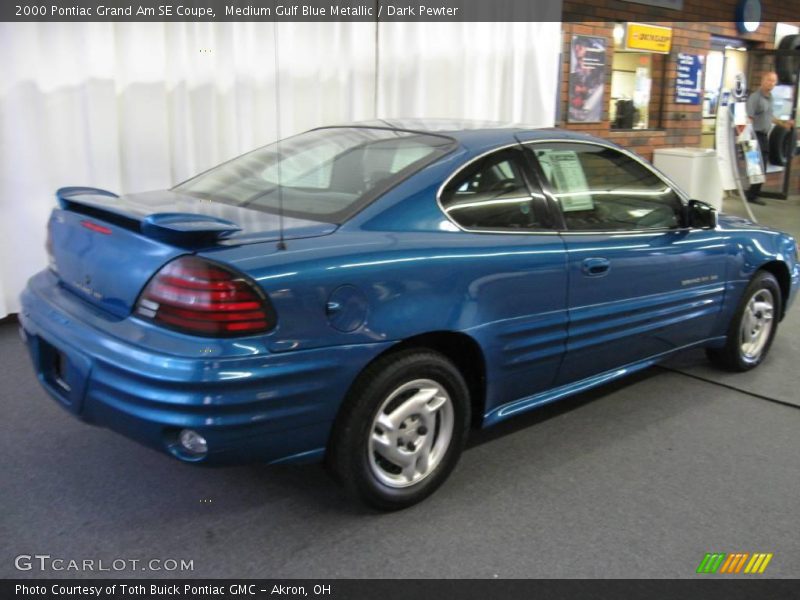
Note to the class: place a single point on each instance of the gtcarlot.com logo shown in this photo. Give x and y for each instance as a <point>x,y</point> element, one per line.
<point>737,562</point>
<point>45,562</point>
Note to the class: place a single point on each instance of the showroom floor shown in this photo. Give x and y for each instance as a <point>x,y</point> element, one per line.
<point>638,479</point>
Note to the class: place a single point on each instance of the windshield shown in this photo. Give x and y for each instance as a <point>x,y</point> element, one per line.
<point>324,175</point>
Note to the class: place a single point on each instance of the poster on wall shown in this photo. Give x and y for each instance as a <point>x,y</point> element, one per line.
<point>687,83</point>
<point>587,77</point>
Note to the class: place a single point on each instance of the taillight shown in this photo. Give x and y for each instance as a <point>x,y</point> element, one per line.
<point>200,297</point>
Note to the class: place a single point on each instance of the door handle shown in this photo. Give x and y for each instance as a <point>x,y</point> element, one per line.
<point>595,267</point>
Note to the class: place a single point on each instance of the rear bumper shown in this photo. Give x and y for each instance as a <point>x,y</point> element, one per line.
<point>259,406</point>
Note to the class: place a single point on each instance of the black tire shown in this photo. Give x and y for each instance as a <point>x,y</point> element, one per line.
<point>787,66</point>
<point>368,475</point>
<point>778,144</point>
<point>790,144</point>
<point>734,356</point>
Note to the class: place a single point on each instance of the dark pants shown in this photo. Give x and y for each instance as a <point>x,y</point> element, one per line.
<point>763,143</point>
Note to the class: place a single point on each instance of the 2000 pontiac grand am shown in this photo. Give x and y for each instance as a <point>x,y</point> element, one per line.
<point>366,294</point>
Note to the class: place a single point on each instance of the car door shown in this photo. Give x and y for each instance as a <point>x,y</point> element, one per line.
<point>641,282</point>
<point>517,285</point>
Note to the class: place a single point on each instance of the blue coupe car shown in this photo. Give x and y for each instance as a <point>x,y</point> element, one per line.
<point>366,294</point>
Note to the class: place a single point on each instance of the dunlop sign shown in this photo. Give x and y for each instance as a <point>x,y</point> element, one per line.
<point>649,38</point>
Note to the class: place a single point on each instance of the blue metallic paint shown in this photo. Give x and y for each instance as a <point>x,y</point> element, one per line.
<point>94,260</point>
<point>150,394</point>
<point>678,290</point>
<point>396,270</point>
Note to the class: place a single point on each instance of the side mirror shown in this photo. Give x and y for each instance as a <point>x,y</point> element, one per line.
<point>701,215</point>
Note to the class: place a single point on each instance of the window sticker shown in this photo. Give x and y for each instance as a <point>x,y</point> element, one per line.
<point>564,170</point>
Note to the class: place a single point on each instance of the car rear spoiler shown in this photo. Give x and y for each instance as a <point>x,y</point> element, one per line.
<point>173,227</point>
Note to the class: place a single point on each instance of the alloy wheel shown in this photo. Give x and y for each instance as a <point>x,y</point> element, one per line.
<point>756,326</point>
<point>410,433</point>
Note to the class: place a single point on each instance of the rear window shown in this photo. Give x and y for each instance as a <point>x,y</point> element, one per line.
<point>324,175</point>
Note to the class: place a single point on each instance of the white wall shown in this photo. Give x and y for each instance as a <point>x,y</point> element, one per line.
<point>137,106</point>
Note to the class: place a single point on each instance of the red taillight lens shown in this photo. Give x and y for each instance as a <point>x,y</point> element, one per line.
<point>199,297</point>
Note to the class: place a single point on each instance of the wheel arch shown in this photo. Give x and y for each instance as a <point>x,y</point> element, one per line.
<point>468,356</point>
<point>781,272</point>
<point>463,350</point>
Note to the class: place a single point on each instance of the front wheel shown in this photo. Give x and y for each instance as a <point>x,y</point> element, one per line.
<point>753,326</point>
<point>401,429</point>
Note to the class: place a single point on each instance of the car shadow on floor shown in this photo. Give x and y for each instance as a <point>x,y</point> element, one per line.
<point>556,409</point>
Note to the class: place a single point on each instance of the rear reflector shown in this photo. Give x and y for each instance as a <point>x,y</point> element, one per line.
<point>96,228</point>
<point>199,297</point>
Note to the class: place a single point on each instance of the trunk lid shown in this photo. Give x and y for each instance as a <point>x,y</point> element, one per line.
<point>105,248</point>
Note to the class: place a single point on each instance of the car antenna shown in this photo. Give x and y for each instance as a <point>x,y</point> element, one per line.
<point>281,242</point>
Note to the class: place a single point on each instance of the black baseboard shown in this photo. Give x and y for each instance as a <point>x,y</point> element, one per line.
<point>11,319</point>
<point>775,195</point>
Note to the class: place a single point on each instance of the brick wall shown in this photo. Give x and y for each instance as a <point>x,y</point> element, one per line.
<point>681,124</point>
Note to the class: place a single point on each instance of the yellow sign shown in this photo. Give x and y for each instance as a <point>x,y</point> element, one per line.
<point>650,38</point>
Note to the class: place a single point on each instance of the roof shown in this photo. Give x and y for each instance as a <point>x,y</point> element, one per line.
<point>476,135</point>
<point>446,125</point>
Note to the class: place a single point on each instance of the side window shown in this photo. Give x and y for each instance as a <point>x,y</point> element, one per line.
<point>492,194</point>
<point>601,189</point>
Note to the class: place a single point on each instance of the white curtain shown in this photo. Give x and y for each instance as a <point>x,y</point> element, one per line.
<point>137,106</point>
<point>485,71</point>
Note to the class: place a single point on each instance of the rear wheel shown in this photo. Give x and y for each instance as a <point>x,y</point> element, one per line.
<point>401,429</point>
<point>753,326</point>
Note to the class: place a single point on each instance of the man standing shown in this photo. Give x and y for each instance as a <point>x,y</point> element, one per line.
<point>759,111</point>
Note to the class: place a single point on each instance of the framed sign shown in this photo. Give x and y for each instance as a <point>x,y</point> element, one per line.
<point>688,88</point>
<point>587,77</point>
<point>648,38</point>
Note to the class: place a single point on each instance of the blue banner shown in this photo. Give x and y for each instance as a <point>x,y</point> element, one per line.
<point>688,84</point>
